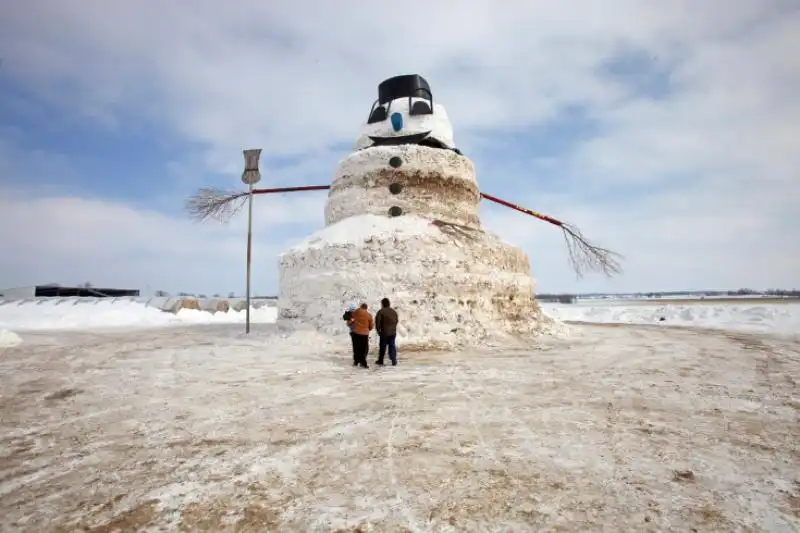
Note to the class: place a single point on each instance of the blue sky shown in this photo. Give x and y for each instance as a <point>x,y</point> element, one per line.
<point>665,132</point>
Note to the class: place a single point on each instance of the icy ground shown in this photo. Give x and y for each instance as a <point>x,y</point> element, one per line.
<point>616,428</point>
<point>742,315</point>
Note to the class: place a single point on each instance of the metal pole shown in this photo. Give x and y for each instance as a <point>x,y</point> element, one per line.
<point>250,176</point>
<point>249,255</point>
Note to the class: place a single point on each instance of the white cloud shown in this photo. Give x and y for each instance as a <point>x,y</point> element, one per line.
<point>269,72</point>
<point>696,186</point>
<point>72,240</point>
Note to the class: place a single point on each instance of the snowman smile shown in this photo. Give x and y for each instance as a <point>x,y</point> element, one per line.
<point>420,139</point>
<point>394,140</point>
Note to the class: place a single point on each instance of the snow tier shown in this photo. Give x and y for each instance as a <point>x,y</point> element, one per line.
<point>451,282</point>
<point>449,286</point>
<point>436,184</point>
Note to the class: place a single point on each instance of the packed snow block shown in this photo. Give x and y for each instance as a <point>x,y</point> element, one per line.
<point>9,339</point>
<point>164,303</point>
<point>186,303</point>
<point>208,304</point>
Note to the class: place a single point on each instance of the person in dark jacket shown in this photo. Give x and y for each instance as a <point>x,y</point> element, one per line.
<point>386,326</point>
<point>346,317</point>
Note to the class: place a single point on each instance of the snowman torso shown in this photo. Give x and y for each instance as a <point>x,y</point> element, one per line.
<point>429,182</point>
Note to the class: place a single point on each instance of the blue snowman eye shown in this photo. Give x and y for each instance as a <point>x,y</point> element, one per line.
<point>397,121</point>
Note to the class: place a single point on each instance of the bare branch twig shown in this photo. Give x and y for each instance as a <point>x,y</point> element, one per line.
<point>212,203</point>
<point>583,255</point>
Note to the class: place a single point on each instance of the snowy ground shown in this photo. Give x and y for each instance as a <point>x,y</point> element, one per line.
<point>83,313</point>
<point>93,313</point>
<point>616,428</point>
<point>734,315</point>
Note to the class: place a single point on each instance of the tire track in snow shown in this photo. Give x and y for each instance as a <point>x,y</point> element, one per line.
<point>472,419</point>
<point>413,521</point>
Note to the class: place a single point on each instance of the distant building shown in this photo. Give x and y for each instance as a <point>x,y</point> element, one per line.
<point>556,298</point>
<point>60,291</point>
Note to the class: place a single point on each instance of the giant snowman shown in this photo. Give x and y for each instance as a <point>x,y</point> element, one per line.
<point>401,221</point>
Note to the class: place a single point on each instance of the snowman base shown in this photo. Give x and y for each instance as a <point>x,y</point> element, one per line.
<point>451,285</point>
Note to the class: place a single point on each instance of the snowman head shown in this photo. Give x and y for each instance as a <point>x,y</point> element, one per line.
<point>404,113</point>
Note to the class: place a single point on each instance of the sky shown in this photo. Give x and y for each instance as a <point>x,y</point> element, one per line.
<point>666,131</point>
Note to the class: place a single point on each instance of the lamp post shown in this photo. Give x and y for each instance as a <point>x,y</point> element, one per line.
<point>250,177</point>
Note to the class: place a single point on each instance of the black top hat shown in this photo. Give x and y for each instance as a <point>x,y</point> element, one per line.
<point>405,86</point>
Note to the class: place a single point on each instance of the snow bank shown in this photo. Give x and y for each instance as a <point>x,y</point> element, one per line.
<point>751,317</point>
<point>101,313</point>
<point>9,339</point>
